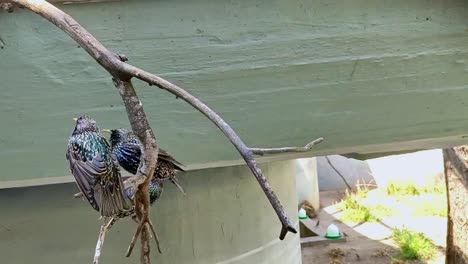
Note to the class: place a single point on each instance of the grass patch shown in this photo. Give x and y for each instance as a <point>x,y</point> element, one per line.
<point>397,196</point>
<point>438,207</point>
<point>395,188</point>
<point>423,200</point>
<point>428,205</point>
<point>352,200</point>
<point>354,210</point>
<point>360,214</point>
<point>413,245</point>
<point>401,188</point>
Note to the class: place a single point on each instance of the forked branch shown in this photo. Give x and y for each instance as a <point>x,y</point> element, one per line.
<point>265,151</point>
<point>123,72</point>
<point>140,126</point>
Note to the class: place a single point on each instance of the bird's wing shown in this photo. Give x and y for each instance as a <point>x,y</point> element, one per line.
<point>87,166</point>
<point>128,156</point>
<point>163,155</point>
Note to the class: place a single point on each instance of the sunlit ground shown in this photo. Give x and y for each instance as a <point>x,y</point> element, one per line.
<point>404,221</point>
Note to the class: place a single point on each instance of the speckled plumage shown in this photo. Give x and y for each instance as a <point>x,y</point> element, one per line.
<point>94,168</point>
<point>127,149</point>
<point>155,190</point>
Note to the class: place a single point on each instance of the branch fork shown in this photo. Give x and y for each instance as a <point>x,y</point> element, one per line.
<point>306,148</point>
<point>122,73</point>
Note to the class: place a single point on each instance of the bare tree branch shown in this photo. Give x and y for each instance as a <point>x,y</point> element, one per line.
<point>142,129</point>
<point>135,237</point>
<point>133,241</point>
<point>261,152</point>
<point>245,151</point>
<point>145,246</point>
<point>338,172</point>
<point>122,73</point>
<point>106,225</point>
<point>156,237</point>
<point>308,147</point>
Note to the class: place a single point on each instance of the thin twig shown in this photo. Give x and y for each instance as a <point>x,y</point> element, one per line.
<point>102,235</point>
<point>245,151</point>
<point>308,147</point>
<point>338,172</point>
<point>134,238</point>
<point>141,228</point>
<point>145,245</point>
<point>99,244</point>
<point>155,235</point>
<point>122,71</point>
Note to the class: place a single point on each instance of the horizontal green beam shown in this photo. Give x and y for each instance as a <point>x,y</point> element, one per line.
<point>359,73</point>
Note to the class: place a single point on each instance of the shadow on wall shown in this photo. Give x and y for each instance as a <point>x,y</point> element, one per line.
<point>427,165</point>
<point>354,171</point>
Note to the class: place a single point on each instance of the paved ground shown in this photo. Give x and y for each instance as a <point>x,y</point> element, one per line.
<point>369,243</point>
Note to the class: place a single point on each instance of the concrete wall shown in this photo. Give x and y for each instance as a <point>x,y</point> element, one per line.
<point>421,167</point>
<point>354,171</point>
<point>307,185</point>
<point>224,218</point>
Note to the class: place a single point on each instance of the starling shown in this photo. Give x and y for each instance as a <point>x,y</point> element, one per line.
<point>95,169</point>
<point>155,190</point>
<point>127,149</point>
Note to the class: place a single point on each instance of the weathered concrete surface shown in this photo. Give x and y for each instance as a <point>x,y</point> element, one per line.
<point>364,74</point>
<point>421,168</point>
<point>354,172</point>
<point>307,184</point>
<point>224,219</point>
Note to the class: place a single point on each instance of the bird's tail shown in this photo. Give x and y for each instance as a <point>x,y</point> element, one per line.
<point>114,202</point>
<point>173,179</point>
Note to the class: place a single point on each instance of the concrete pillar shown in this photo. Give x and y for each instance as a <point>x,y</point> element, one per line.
<point>307,188</point>
<point>224,218</point>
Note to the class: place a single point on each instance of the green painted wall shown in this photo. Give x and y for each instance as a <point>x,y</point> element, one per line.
<point>360,73</point>
<point>224,219</point>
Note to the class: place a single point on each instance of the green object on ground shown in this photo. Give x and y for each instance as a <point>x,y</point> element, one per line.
<point>302,214</point>
<point>333,232</point>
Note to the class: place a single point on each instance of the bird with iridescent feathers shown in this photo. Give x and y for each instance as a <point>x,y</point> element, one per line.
<point>127,149</point>
<point>95,169</point>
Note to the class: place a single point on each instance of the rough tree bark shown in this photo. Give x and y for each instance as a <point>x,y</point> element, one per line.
<point>122,73</point>
<point>456,178</point>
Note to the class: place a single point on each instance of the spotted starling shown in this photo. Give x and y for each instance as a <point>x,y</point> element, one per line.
<point>95,169</point>
<point>127,149</point>
<point>155,190</point>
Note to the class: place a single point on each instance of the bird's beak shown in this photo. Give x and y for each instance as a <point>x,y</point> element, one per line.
<point>74,119</point>
<point>106,130</point>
